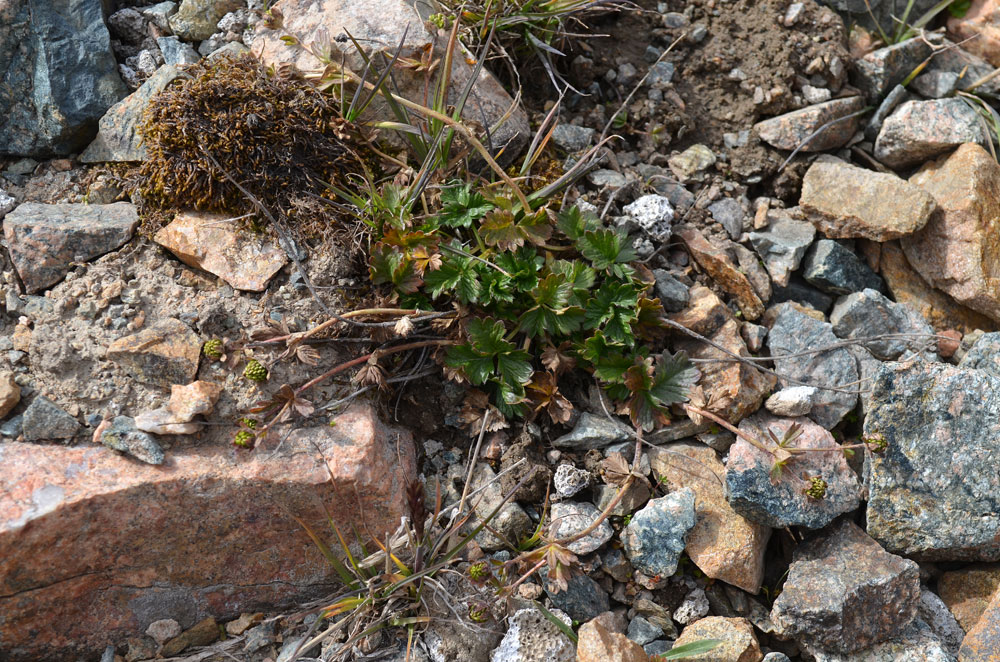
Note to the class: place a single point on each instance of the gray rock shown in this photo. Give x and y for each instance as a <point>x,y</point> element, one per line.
<point>672,293</point>
<point>651,214</point>
<point>692,163</point>
<point>984,355</point>
<point>531,637</point>
<point>583,598</point>
<point>936,84</point>
<point>753,335</point>
<point>129,25</point>
<point>59,75</point>
<point>592,431</point>
<point>197,19</point>
<point>570,517</point>
<point>794,332</point>
<point>935,613</point>
<point>916,643</point>
<point>776,657</point>
<point>896,96</point>
<point>635,497</point>
<point>512,523</point>
<point>124,437</point>
<point>176,51</point>
<point>933,493</point>
<point>782,246</point>
<point>869,313</point>
<point>45,239</point>
<point>660,74</point>
<point>955,60</point>
<point>728,213</point>
<point>118,138</point>
<point>23,166</point>
<point>642,631</point>
<point>571,137</point>
<point>920,130</point>
<point>881,70</point>
<point>159,14</point>
<point>844,593</point>
<point>614,564</point>
<point>836,270</point>
<point>792,401</point>
<point>803,128</point>
<point>658,647</point>
<point>655,537</point>
<point>13,427</point>
<point>7,203</point>
<point>569,480</point>
<point>868,367</point>
<point>695,606</point>
<point>604,177</point>
<point>663,182</point>
<point>656,614</point>
<point>46,421</point>
<point>781,500</point>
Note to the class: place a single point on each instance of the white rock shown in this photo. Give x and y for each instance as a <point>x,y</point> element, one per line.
<point>164,630</point>
<point>569,480</point>
<point>653,214</point>
<point>694,607</point>
<point>792,401</point>
<point>533,638</point>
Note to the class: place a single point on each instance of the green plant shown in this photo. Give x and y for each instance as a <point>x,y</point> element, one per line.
<point>688,650</point>
<point>212,348</point>
<point>255,371</point>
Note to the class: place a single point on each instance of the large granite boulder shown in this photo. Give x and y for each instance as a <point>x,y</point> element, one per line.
<point>57,75</point>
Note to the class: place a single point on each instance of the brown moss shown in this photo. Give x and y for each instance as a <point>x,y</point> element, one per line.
<point>278,136</point>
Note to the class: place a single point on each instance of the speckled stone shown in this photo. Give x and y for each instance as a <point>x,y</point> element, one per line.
<point>836,270</point>
<point>968,591</point>
<point>597,644</point>
<point>124,437</point>
<point>46,421</point>
<point>792,332</point>
<point>196,20</point>
<point>722,544</point>
<point>782,246</point>
<point>916,643</point>
<point>982,641</point>
<point>921,130</point>
<point>783,501</point>
<point>45,239</point>
<point>570,517</point>
<point>789,131</point>
<point>591,431</point>
<point>933,491</point>
<point>583,598</point>
<point>935,613</point>
<point>869,313</point>
<point>844,201</point>
<point>844,593</point>
<point>531,637</point>
<point>739,644</point>
<point>163,354</point>
<point>984,355</point>
<point>878,71</point>
<point>655,537</point>
<point>957,250</point>
<point>718,265</point>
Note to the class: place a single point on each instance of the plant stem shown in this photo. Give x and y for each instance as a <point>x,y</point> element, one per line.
<point>361,359</point>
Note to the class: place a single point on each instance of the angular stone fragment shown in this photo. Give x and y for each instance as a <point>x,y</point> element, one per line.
<point>163,354</point>
<point>721,269</point>
<point>908,287</point>
<point>722,544</point>
<point>202,633</point>
<point>921,130</point>
<point>45,421</point>
<point>10,393</point>
<point>877,72</point>
<point>732,390</point>
<point>844,593</point>
<point>959,249</point>
<point>978,30</point>
<point>934,612</point>
<point>118,138</point>
<point>211,242</point>
<point>968,591</point>
<point>982,641</point>
<point>511,522</point>
<point>583,598</point>
<point>791,130</point>
<point>782,500</point>
<point>569,518</point>
<point>836,270</point>
<point>123,436</point>
<point>792,401</point>
<point>932,493</point>
<point>916,643</point>
<point>592,431</point>
<point>45,239</point>
<point>739,644</point>
<point>207,534</point>
<point>782,246</point>
<point>185,403</point>
<point>597,644</point>
<point>793,332</point>
<point>984,354</point>
<point>844,201</point>
<point>196,20</point>
<point>531,637</point>
<point>869,314</point>
<point>655,537</point>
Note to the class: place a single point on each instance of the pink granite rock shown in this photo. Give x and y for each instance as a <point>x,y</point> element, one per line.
<point>95,548</point>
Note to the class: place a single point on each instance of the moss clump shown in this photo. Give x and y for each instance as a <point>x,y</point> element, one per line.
<point>276,135</point>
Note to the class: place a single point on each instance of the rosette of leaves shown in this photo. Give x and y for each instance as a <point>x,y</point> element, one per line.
<point>539,292</point>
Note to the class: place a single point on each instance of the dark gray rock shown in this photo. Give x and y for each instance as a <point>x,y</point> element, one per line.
<point>46,421</point>
<point>641,631</point>
<point>658,647</point>
<point>881,70</point>
<point>800,291</point>
<point>571,137</point>
<point>614,564</point>
<point>124,437</point>
<point>836,270</point>
<point>921,130</point>
<point>660,74</point>
<point>13,427</point>
<point>592,431</point>
<point>44,239</point>
<point>728,213</point>
<point>781,500</point>
<point>672,293</point>
<point>59,75</point>
<point>984,355</point>
<point>511,522</point>
<point>118,138</point>
<point>655,537</point>
<point>935,613</point>
<point>794,332</point>
<point>570,518</point>
<point>869,313</point>
<point>635,497</point>
<point>844,593</point>
<point>936,84</point>
<point>934,493</point>
<point>896,96</point>
<point>782,246</point>
<point>583,598</point>
<point>176,51</point>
